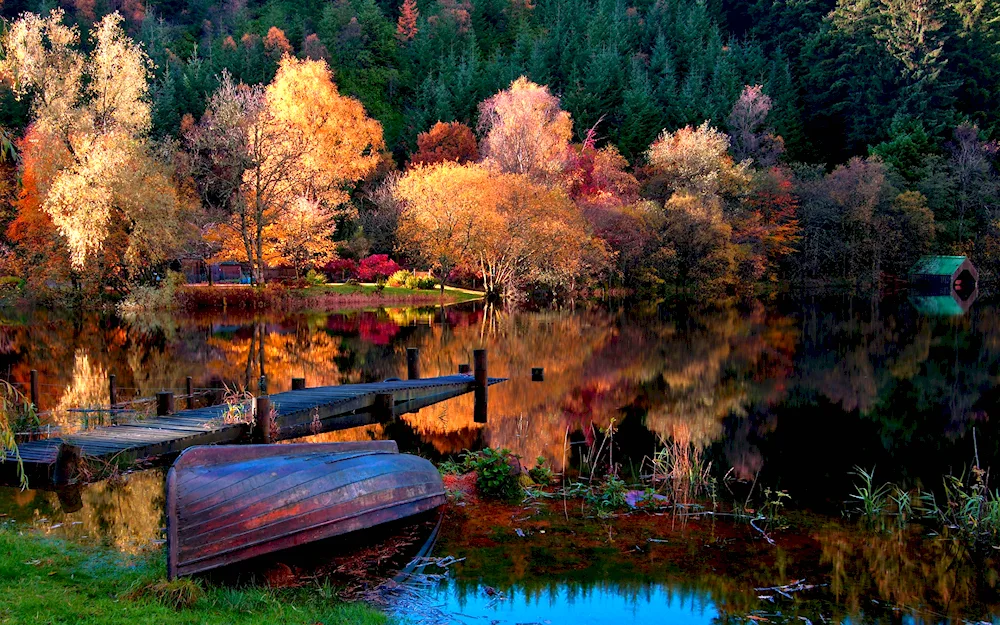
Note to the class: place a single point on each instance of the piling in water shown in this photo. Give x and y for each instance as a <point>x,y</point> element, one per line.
<point>412,363</point>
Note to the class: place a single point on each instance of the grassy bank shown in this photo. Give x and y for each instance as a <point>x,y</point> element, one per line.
<point>370,292</point>
<point>320,297</point>
<point>55,582</point>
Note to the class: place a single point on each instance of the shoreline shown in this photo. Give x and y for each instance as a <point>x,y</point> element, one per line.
<point>324,298</point>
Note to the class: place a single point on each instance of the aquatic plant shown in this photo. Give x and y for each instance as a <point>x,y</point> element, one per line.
<point>239,406</point>
<point>774,503</point>
<point>681,469</point>
<point>609,495</point>
<point>541,473</point>
<point>496,475</point>
<point>873,500</point>
<point>878,502</point>
<point>969,506</point>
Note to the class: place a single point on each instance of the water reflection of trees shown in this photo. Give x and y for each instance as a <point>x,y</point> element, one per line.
<point>857,576</point>
<point>125,514</point>
<point>723,375</point>
<point>940,575</point>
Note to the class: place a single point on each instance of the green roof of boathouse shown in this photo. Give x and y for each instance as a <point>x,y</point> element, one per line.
<point>937,265</point>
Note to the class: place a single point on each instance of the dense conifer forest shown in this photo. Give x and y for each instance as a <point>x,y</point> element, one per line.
<point>719,142</point>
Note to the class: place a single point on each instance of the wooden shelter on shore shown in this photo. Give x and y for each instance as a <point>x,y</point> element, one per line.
<point>944,285</point>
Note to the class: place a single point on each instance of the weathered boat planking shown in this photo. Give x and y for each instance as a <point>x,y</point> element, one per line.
<point>228,504</point>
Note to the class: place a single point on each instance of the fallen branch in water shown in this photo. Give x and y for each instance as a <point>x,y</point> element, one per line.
<point>441,563</point>
<point>762,532</point>
<point>786,589</point>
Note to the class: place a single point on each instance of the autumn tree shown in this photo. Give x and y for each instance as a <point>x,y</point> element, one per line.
<point>694,161</point>
<point>524,130</point>
<point>406,26</point>
<point>43,256</point>
<point>261,151</point>
<point>972,165</point>
<point>313,48</point>
<point>442,208</point>
<point>539,237</point>
<point>749,137</point>
<point>276,43</point>
<point>840,220</point>
<point>305,234</point>
<point>767,226</point>
<point>598,175</point>
<point>701,240</point>
<point>907,232</point>
<point>517,231</point>
<point>9,159</point>
<point>111,200</point>
<point>452,141</point>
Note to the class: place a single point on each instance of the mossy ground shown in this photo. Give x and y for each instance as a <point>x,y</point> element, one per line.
<point>45,581</point>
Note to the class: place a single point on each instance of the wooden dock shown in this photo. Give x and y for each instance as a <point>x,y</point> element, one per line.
<point>296,413</point>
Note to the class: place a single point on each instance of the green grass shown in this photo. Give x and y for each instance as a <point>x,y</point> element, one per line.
<point>52,582</point>
<point>370,290</point>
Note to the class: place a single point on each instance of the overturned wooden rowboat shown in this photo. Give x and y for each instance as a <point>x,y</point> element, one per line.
<point>228,504</point>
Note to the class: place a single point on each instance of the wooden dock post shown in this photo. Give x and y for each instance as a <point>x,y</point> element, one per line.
<point>464,369</point>
<point>67,464</point>
<point>112,391</point>
<point>298,384</point>
<point>385,406</point>
<point>34,389</point>
<point>189,387</point>
<point>412,363</point>
<point>164,403</point>
<point>537,374</point>
<point>263,424</point>
<point>481,386</point>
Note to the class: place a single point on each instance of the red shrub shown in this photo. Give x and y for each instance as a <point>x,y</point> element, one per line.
<point>376,268</point>
<point>464,276</point>
<point>341,269</point>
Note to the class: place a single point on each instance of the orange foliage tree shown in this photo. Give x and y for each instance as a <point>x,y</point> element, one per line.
<point>768,227</point>
<point>441,220</point>
<point>113,202</point>
<point>452,141</point>
<point>43,255</point>
<point>524,130</point>
<point>591,174</point>
<point>406,26</point>
<point>262,152</point>
<point>276,43</point>
<point>516,230</point>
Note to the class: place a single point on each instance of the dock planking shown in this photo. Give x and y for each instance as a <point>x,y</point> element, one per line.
<point>297,413</point>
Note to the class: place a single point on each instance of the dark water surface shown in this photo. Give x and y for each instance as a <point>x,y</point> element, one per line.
<point>794,393</point>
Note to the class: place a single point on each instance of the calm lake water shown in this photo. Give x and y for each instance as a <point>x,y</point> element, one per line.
<point>794,392</point>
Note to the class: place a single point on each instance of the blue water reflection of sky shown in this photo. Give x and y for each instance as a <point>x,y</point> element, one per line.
<point>571,606</point>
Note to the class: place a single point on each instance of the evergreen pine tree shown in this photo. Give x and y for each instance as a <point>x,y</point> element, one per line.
<point>641,118</point>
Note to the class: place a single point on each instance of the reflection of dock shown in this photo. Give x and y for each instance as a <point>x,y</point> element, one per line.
<point>295,413</point>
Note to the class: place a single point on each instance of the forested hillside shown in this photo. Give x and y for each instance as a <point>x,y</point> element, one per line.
<point>820,123</point>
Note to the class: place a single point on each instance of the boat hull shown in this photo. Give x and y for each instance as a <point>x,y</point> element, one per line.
<point>233,503</point>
